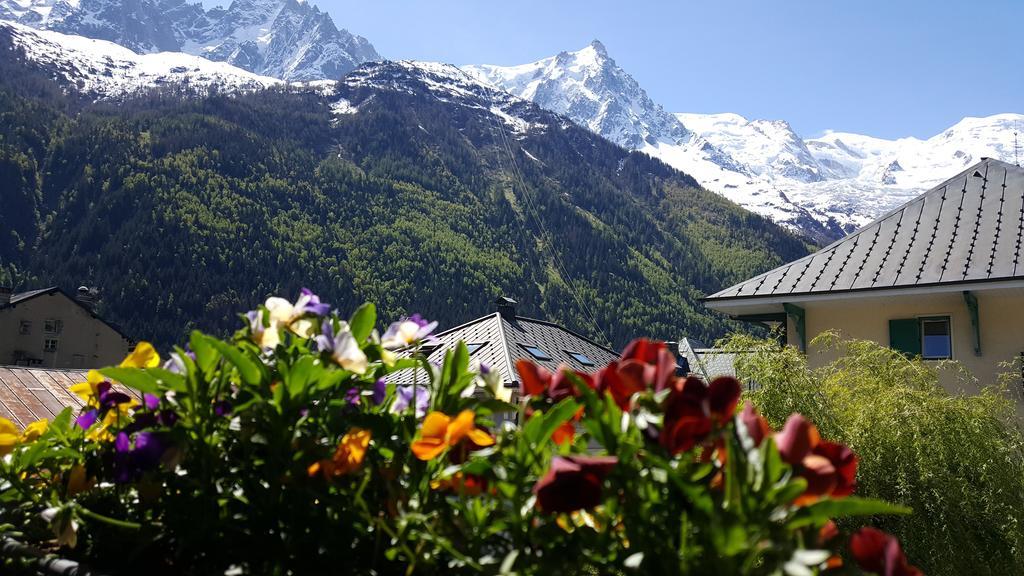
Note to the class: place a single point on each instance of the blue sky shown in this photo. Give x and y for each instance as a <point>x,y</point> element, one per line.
<point>887,68</point>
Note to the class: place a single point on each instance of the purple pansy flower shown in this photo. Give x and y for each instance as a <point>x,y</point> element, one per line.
<point>108,397</point>
<point>87,419</point>
<point>405,395</point>
<point>380,391</point>
<point>131,461</point>
<point>343,348</point>
<point>352,396</point>
<point>150,401</point>
<point>222,408</point>
<point>309,303</point>
<point>408,331</point>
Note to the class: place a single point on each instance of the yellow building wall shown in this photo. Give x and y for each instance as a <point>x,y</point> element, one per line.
<point>83,342</point>
<point>1000,312</point>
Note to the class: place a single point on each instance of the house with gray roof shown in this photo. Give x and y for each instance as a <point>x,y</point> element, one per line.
<point>53,329</point>
<point>940,277</point>
<point>500,339</point>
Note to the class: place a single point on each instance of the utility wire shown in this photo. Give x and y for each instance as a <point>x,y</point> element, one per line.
<point>548,244</point>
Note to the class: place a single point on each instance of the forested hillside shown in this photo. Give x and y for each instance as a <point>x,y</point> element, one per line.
<point>185,211</point>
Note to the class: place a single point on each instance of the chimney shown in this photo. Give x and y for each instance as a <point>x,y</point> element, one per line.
<point>506,307</point>
<point>5,295</point>
<point>86,296</point>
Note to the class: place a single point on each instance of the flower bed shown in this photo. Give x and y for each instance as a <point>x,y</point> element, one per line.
<point>286,450</point>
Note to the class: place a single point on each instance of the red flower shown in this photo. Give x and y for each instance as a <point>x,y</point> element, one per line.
<point>829,468</point>
<point>573,483</point>
<point>757,427</point>
<point>693,409</point>
<point>878,552</point>
<point>656,363</point>
<point>541,383</point>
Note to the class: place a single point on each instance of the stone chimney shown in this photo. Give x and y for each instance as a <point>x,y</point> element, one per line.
<point>506,307</point>
<point>86,296</point>
<point>5,295</point>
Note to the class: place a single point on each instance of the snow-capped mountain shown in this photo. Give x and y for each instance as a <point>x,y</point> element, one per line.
<point>590,88</point>
<point>105,70</point>
<point>823,187</point>
<point>286,39</point>
<point>449,84</point>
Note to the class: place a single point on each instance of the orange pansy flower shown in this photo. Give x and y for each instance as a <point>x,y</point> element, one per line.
<point>348,457</point>
<point>440,431</point>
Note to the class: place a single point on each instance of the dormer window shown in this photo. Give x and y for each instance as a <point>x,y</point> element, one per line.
<point>537,353</point>
<point>473,347</point>
<point>581,358</point>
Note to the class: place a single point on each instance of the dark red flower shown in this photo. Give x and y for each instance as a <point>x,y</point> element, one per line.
<point>540,382</point>
<point>879,552</point>
<point>796,439</point>
<point>829,468</point>
<point>693,409</point>
<point>649,362</point>
<point>573,483</point>
<point>757,427</point>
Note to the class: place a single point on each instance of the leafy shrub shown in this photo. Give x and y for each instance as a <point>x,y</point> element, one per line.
<point>304,445</point>
<point>958,461</point>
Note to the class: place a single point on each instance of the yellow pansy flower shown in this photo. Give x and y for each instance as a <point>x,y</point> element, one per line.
<point>34,430</point>
<point>144,356</point>
<point>8,436</point>
<point>88,391</point>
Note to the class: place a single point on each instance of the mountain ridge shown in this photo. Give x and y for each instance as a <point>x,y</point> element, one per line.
<point>823,187</point>
<point>291,40</point>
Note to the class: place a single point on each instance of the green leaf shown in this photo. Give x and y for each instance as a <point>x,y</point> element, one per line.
<point>206,355</point>
<point>561,413</point>
<point>136,378</point>
<point>299,376</point>
<point>251,371</point>
<point>362,322</point>
<point>843,508</point>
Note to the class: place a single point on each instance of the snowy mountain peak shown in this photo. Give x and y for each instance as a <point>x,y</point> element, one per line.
<point>287,39</point>
<point>449,84</point>
<point>105,70</point>
<point>822,187</point>
<point>591,89</point>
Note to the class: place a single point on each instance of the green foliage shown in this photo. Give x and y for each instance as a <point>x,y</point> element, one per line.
<point>958,461</point>
<point>181,210</point>
<point>277,453</point>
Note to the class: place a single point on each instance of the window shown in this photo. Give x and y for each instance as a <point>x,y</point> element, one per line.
<point>928,337</point>
<point>936,343</point>
<point>475,346</point>
<point>537,352</point>
<point>50,345</point>
<point>580,357</point>
<point>52,326</point>
<point>25,327</point>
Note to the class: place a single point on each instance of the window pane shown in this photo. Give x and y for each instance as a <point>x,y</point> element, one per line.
<point>537,353</point>
<point>474,346</point>
<point>936,341</point>
<point>581,358</point>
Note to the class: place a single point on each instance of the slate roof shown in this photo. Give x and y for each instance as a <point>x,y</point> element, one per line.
<point>29,394</point>
<point>970,228</point>
<point>503,343</point>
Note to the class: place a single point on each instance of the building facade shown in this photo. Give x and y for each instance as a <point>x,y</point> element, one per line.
<point>49,328</point>
<point>940,277</point>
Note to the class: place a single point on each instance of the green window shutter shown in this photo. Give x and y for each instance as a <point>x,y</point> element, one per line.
<point>905,336</point>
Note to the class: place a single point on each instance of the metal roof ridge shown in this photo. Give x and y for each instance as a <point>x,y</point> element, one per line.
<point>512,372</point>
